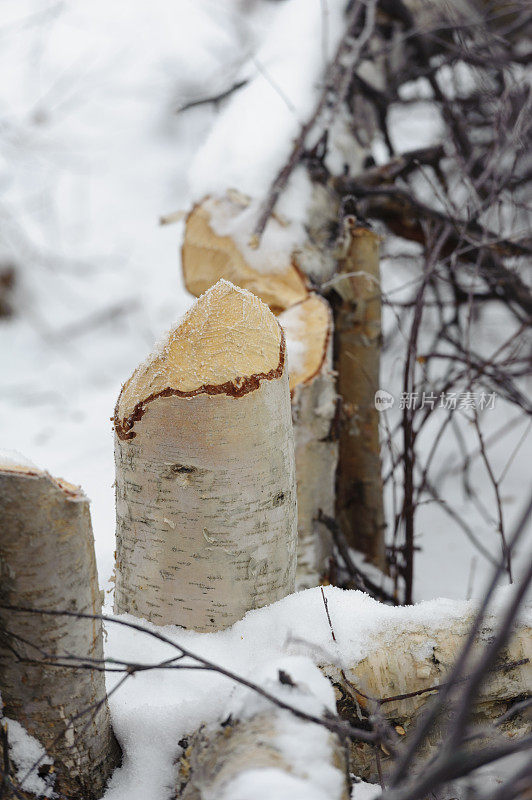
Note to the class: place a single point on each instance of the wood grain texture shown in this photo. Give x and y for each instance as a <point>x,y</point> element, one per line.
<point>205,488</point>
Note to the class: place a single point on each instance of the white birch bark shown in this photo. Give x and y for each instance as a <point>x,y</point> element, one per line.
<point>403,658</point>
<point>407,660</point>
<point>47,562</point>
<point>308,329</point>
<point>260,750</point>
<point>205,478</point>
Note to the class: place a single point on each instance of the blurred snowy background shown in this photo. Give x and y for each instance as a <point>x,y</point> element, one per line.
<point>98,128</point>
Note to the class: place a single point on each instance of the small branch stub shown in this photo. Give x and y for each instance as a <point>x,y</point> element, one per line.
<point>47,562</point>
<point>205,477</point>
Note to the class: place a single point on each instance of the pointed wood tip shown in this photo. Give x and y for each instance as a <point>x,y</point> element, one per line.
<point>226,343</point>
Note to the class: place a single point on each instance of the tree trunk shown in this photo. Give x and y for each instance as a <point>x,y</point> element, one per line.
<point>47,562</point>
<point>409,660</point>
<point>357,314</point>
<point>205,477</point>
<point>261,745</point>
<point>308,330</point>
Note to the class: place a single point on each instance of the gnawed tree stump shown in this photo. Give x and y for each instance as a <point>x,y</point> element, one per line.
<point>260,750</point>
<point>209,254</point>
<point>308,330</point>
<point>357,328</point>
<point>408,660</point>
<point>271,275</point>
<point>205,477</point>
<point>47,562</point>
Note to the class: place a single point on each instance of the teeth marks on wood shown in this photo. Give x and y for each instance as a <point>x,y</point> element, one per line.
<point>215,517</point>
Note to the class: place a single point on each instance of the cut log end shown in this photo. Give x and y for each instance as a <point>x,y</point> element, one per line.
<point>308,328</point>
<point>25,470</point>
<point>226,344</point>
<point>208,256</point>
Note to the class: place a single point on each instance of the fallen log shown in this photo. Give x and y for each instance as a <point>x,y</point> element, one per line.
<point>260,750</point>
<point>403,668</point>
<point>47,563</point>
<point>205,478</point>
<point>384,663</point>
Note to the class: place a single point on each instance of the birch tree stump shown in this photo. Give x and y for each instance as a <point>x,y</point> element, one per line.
<point>308,329</point>
<point>47,562</point>
<point>205,477</point>
<point>262,751</point>
<point>208,255</point>
<point>357,321</point>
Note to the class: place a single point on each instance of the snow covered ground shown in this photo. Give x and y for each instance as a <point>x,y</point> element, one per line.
<point>92,153</point>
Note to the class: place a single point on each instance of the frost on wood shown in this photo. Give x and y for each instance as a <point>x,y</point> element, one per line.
<point>217,245</point>
<point>205,479</point>
<point>308,331</point>
<point>357,319</point>
<point>259,750</point>
<point>47,562</point>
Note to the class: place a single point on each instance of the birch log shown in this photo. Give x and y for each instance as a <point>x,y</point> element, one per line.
<point>357,321</point>
<point>407,660</point>
<point>216,245</point>
<point>47,562</point>
<point>308,329</point>
<point>205,478</point>
<point>261,751</point>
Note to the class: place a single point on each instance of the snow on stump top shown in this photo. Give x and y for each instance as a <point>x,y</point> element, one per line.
<point>216,245</point>
<point>205,476</point>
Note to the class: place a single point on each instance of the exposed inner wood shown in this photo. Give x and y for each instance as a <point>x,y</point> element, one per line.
<point>226,339</point>
<point>307,326</point>
<point>21,469</point>
<point>208,256</point>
